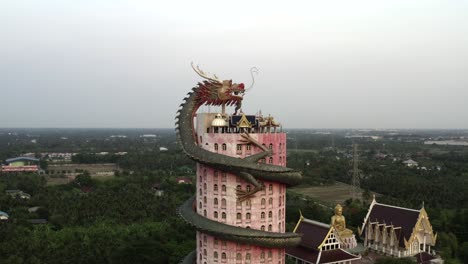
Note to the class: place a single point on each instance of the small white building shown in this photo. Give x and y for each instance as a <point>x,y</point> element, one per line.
<point>3,216</point>
<point>410,163</point>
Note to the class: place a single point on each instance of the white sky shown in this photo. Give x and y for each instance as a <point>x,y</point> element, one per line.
<point>323,64</point>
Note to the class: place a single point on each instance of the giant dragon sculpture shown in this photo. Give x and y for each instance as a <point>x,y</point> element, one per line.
<point>213,91</point>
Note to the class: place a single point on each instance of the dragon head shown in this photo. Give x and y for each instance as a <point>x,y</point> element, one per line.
<point>214,91</point>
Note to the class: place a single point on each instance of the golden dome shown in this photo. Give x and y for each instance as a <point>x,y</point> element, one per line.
<point>219,121</point>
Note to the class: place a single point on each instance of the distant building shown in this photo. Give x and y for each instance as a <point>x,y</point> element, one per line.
<point>158,191</point>
<point>397,231</point>
<point>20,164</point>
<point>183,180</point>
<point>410,163</point>
<point>163,149</point>
<point>18,193</point>
<point>3,216</point>
<point>321,243</point>
<point>58,156</point>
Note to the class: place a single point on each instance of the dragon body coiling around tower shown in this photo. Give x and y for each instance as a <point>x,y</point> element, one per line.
<point>216,92</point>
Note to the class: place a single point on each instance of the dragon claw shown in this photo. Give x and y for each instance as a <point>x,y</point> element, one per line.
<point>244,195</point>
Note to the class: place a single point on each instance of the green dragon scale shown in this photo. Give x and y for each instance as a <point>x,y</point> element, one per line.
<point>217,92</point>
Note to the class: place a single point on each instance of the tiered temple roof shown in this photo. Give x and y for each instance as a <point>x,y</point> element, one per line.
<point>320,244</point>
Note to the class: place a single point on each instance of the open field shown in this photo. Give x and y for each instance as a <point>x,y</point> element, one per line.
<point>328,194</point>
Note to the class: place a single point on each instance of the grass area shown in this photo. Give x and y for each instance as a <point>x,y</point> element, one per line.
<point>327,194</point>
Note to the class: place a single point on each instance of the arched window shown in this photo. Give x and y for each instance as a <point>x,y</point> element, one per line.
<point>239,256</point>
<point>248,203</point>
<point>215,187</point>
<point>262,255</point>
<point>280,160</point>
<point>223,203</point>
<point>270,160</point>
<point>270,228</point>
<point>223,256</point>
<point>270,201</point>
<point>200,205</point>
<point>247,216</point>
<point>270,254</point>
<point>224,146</point>
<point>204,186</point>
<point>204,199</point>
<point>204,252</point>
<point>215,214</point>
<point>270,187</point>
<point>239,216</point>
<point>270,214</point>
<point>223,188</point>
<point>200,191</point>
<point>223,215</point>
<point>216,146</point>
<point>262,215</point>
<point>247,256</point>
<point>215,254</point>
<point>249,147</point>
<point>279,227</point>
<point>270,147</point>
<point>263,228</point>
<point>248,188</point>
<point>238,187</point>
<point>263,202</point>
<point>215,202</point>
<point>204,213</point>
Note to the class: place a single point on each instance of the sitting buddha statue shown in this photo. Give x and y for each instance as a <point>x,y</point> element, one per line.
<point>339,223</point>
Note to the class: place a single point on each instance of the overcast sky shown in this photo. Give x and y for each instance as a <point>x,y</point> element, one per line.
<point>323,64</point>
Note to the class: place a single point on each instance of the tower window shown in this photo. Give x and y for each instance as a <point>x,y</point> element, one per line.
<point>224,146</point>
<point>216,146</point>
<point>223,215</point>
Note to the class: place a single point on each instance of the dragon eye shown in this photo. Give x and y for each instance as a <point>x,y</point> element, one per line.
<point>236,93</point>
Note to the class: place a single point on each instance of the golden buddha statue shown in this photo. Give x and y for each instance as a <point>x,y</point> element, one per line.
<point>338,221</point>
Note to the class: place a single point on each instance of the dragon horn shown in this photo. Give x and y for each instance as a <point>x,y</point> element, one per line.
<point>205,75</point>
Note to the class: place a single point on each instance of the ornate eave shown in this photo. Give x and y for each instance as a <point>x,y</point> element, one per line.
<point>420,227</point>
<point>244,122</point>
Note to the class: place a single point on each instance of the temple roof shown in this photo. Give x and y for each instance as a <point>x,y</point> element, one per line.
<point>21,159</point>
<point>326,256</point>
<point>313,233</point>
<point>243,120</point>
<point>424,258</point>
<point>399,217</point>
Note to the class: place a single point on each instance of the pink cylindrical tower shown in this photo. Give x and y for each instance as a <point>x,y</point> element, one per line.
<point>217,195</point>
